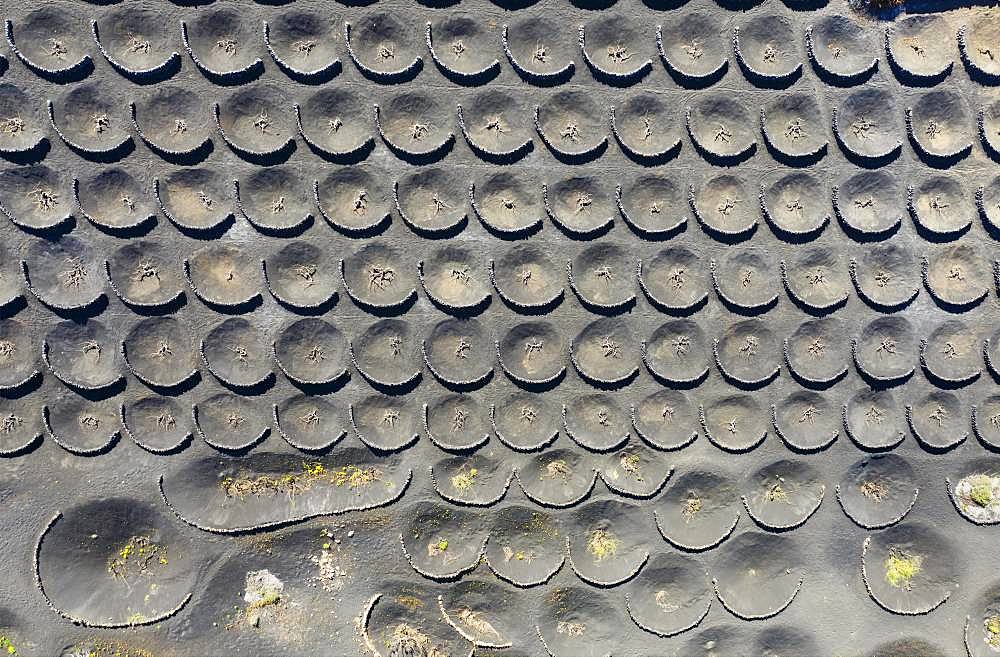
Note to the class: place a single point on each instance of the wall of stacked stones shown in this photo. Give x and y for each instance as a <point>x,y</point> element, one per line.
<point>499,329</point>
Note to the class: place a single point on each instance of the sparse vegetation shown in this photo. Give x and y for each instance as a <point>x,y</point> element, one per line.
<point>541,524</point>
<point>558,469</point>
<point>106,649</point>
<point>331,563</point>
<point>978,497</point>
<point>603,544</point>
<point>992,627</point>
<point>664,602</point>
<point>571,628</point>
<point>262,591</point>
<point>630,464</point>
<point>692,506</point>
<point>776,492</point>
<point>982,490</point>
<point>876,5</point>
<point>410,602</point>
<point>355,477</point>
<point>296,483</point>
<point>476,621</point>
<point>137,557</point>
<point>901,567</point>
<point>314,469</point>
<point>408,640</point>
<point>7,645</point>
<point>465,479</point>
<point>437,547</point>
<point>874,490</point>
<point>518,555</point>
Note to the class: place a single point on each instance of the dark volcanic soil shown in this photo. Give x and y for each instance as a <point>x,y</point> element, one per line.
<point>387,450</point>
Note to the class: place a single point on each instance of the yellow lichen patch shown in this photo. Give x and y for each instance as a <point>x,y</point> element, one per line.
<point>603,544</point>
<point>901,568</point>
<point>137,557</point>
<point>465,479</point>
